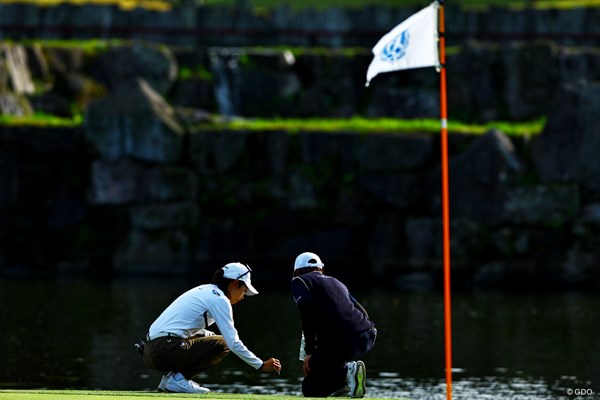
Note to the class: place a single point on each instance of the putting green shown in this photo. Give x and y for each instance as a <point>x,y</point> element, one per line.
<point>122,395</point>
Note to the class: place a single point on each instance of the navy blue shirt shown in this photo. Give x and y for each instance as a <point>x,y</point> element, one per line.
<point>327,310</point>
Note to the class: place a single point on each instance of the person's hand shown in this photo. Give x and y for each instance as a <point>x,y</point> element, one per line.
<point>272,364</point>
<point>306,366</point>
<point>208,333</point>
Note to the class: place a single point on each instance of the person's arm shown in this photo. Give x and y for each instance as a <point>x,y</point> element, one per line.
<point>223,315</point>
<point>303,300</point>
<point>359,306</point>
<point>309,327</point>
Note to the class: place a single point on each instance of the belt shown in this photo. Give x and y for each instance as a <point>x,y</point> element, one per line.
<point>159,335</point>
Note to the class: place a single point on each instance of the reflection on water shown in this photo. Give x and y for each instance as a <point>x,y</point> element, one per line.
<point>79,334</point>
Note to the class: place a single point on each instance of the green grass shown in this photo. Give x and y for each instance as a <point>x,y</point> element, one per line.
<point>123,395</point>
<point>356,124</point>
<point>300,4</point>
<point>522,4</point>
<point>157,5</point>
<point>383,125</point>
<point>41,120</point>
<point>87,45</point>
<point>165,5</point>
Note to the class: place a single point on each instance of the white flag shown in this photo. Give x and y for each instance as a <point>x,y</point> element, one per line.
<point>411,44</point>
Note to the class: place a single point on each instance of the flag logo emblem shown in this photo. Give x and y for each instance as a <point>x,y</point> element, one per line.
<point>396,48</point>
<point>413,43</point>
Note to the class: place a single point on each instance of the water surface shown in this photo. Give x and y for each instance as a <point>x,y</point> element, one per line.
<point>80,335</point>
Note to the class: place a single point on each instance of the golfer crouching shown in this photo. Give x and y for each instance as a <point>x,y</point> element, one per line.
<point>179,344</point>
<point>335,329</point>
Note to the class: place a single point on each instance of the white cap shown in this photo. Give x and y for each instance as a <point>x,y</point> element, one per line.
<point>240,272</point>
<point>308,260</point>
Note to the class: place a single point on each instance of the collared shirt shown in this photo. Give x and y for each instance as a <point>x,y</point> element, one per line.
<point>197,309</point>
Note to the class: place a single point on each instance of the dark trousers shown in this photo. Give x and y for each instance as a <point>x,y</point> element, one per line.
<point>189,356</point>
<point>328,362</point>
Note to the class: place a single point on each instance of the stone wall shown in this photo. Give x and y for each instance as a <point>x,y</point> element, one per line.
<point>369,204</point>
<point>335,27</point>
<point>486,82</point>
<point>150,184</point>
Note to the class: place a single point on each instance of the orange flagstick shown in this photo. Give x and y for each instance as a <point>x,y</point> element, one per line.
<point>445,203</point>
<point>389,55</point>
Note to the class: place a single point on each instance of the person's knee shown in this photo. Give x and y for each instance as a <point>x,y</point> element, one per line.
<point>311,388</point>
<point>311,392</point>
<point>224,352</point>
<point>221,347</point>
<point>221,343</point>
<point>314,393</point>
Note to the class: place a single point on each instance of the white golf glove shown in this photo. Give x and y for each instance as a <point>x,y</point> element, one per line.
<point>208,333</point>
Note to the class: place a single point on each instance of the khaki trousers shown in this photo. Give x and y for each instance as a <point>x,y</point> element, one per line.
<point>189,356</point>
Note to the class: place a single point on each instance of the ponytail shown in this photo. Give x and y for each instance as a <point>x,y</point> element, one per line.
<point>223,283</point>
